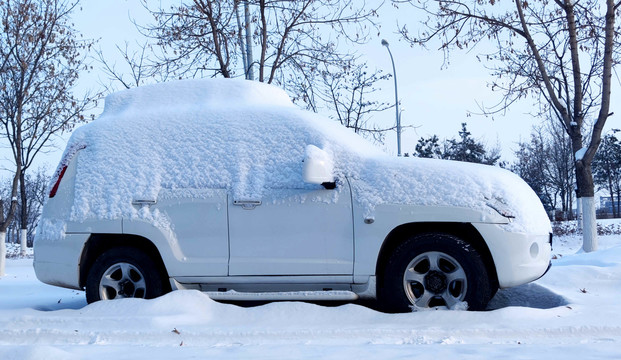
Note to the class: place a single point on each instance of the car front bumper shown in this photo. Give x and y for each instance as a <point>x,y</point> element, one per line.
<point>519,258</point>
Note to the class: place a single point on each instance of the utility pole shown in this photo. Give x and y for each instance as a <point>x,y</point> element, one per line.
<point>397,114</point>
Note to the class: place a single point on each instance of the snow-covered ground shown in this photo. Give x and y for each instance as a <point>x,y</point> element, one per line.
<point>574,312</point>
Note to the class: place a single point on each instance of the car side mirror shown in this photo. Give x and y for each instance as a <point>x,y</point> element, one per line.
<point>318,167</point>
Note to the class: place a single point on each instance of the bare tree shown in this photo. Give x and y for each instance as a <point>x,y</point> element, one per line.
<point>138,71</point>
<point>346,95</point>
<point>560,169</point>
<point>203,38</point>
<point>6,219</point>
<point>561,53</point>
<point>546,164</point>
<point>198,37</point>
<point>45,58</point>
<point>531,165</point>
<point>36,195</point>
<point>195,38</point>
<point>30,206</point>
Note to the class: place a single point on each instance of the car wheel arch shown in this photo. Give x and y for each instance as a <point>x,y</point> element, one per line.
<point>465,231</point>
<point>97,244</point>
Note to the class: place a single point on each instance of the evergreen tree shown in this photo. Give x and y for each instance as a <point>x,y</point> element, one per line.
<point>464,148</point>
<point>428,148</point>
<point>607,170</point>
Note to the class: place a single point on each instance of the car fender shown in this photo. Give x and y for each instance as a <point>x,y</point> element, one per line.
<point>373,230</point>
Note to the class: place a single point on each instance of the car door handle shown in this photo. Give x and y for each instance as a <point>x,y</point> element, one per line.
<point>143,202</point>
<point>247,204</point>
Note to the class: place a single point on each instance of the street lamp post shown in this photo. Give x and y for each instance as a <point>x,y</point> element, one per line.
<point>397,115</point>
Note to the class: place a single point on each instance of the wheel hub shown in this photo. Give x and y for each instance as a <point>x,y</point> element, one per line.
<point>126,288</point>
<point>435,282</point>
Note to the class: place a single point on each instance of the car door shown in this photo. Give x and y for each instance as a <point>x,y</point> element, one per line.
<point>193,223</point>
<point>305,231</point>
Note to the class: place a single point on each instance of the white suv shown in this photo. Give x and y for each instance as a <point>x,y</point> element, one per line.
<point>226,187</point>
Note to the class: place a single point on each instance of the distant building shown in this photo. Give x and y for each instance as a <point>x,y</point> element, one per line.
<point>605,205</point>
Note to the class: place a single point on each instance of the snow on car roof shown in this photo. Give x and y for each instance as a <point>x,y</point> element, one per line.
<point>196,93</point>
<point>246,137</point>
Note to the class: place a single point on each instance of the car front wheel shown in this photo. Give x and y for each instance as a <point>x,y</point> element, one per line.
<point>434,270</point>
<point>123,272</point>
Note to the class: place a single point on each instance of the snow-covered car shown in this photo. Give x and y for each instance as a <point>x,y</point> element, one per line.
<point>226,187</point>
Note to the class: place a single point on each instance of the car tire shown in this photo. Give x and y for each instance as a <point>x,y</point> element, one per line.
<point>434,270</point>
<point>123,272</point>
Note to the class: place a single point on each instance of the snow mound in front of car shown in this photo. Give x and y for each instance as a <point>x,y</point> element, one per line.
<point>177,136</point>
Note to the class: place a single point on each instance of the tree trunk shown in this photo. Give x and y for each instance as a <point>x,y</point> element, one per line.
<point>578,214</point>
<point>570,205</point>
<point>240,39</point>
<point>2,253</point>
<point>589,232</point>
<point>23,241</point>
<point>584,177</point>
<point>586,193</point>
<point>263,17</point>
<point>618,204</point>
<point>612,196</point>
<point>249,57</point>
<point>217,44</point>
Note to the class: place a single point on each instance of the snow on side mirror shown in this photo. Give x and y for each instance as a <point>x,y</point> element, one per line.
<point>318,167</point>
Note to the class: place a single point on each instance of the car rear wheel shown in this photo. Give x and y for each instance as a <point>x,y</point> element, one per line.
<point>123,272</point>
<point>434,270</point>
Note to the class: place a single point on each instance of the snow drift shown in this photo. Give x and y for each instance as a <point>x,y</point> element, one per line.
<point>571,313</point>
